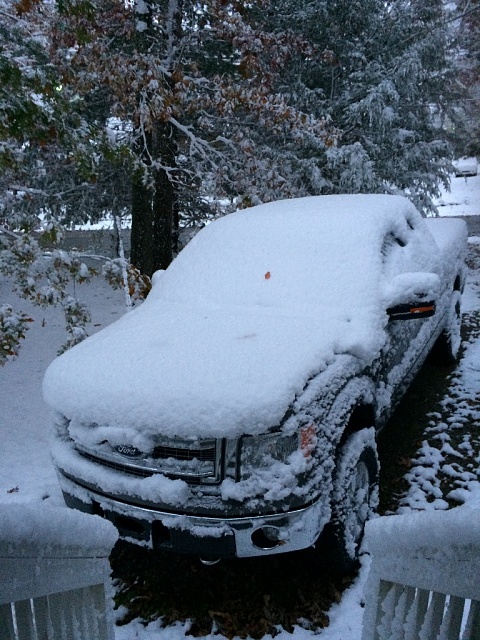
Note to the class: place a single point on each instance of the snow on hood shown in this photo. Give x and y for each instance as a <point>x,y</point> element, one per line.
<point>257,303</point>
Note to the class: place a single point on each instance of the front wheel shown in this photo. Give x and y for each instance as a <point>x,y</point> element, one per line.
<point>355,496</point>
<point>447,346</point>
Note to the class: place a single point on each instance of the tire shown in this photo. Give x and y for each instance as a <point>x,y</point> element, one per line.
<point>445,351</point>
<point>355,497</point>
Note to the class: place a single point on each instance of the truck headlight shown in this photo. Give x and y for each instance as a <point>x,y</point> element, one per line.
<point>259,452</point>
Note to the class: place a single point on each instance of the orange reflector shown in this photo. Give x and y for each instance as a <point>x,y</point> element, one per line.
<point>308,439</point>
<point>426,309</point>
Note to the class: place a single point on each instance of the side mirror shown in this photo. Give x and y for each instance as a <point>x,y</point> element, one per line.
<point>411,296</point>
<point>412,310</point>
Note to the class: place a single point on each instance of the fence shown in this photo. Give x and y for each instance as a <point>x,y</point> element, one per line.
<point>424,581</point>
<point>54,574</point>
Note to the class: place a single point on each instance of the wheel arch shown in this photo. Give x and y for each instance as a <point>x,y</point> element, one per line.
<point>362,417</point>
<point>459,283</point>
<point>354,408</point>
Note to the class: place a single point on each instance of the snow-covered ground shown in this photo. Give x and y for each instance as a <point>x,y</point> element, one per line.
<point>463,199</point>
<point>27,474</point>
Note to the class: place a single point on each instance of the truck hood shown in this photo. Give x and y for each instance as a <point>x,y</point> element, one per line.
<point>203,371</point>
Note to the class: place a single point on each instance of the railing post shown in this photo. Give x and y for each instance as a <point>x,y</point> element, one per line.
<point>54,574</point>
<point>425,568</point>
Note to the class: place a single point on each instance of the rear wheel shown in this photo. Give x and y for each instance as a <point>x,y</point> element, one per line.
<point>355,496</point>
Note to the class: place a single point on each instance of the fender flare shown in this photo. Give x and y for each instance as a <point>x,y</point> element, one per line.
<point>358,392</point>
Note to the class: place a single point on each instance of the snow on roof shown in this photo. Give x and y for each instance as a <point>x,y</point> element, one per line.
<point>257,303</point>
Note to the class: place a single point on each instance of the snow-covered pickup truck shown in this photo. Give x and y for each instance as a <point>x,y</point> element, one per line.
<point>234,412</point>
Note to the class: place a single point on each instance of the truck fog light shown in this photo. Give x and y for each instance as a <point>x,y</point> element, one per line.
<point>267,538</point>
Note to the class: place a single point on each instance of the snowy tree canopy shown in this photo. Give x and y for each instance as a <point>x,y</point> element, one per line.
<point>381,74</point>
<point>176,111</point>
<point>467,27</point>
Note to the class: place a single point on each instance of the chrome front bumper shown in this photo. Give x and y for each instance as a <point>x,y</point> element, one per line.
<point>210,538</point>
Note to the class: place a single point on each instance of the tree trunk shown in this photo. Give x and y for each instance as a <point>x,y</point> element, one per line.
<point>141,252</point>
<point>164,197</point>
<point>154,211</point>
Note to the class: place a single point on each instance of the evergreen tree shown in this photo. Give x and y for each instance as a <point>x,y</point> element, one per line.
<point>27,101</point>
<point>382,75</point>
<point>467,62</point>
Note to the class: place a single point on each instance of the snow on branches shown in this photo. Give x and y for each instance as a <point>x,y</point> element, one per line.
<point>43,278</point>
<point>191,85</point>
<point>13,327</point>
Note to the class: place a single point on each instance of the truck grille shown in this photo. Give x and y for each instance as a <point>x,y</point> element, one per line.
<point>208,454</point>
<point>195,462</point>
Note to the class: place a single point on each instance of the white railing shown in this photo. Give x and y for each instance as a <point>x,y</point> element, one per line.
<point>54,574</point>
<point>424,581</point>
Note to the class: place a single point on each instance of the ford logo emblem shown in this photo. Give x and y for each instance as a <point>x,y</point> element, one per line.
<point>128,450</point>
